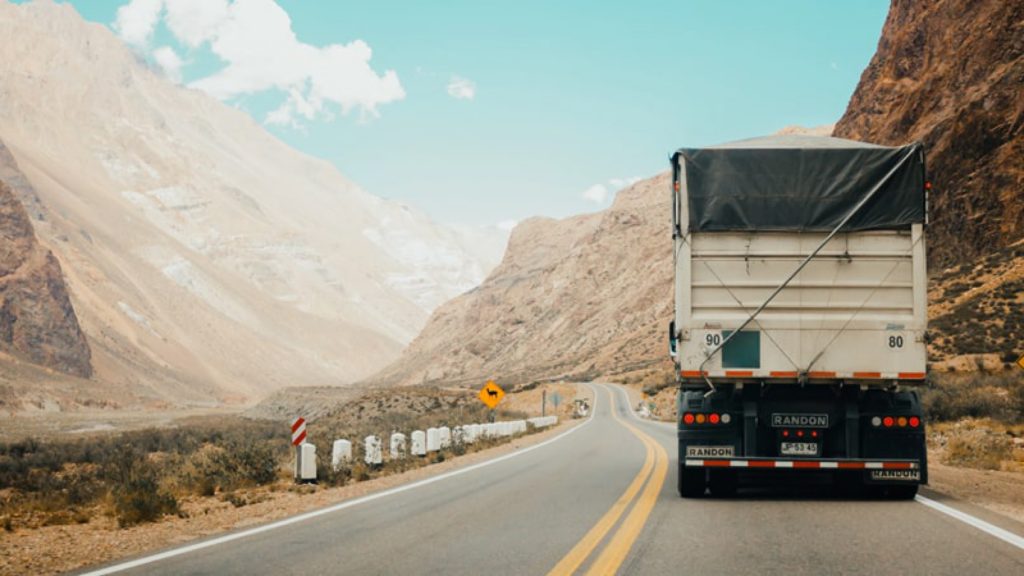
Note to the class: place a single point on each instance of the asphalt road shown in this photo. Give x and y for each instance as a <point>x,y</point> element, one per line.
<point>602,499</point>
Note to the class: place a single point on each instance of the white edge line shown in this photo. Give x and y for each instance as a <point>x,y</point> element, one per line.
<point>330,509</point>
<point>990,529</point>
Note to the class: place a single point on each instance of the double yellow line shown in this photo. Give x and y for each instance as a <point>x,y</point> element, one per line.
<point>652,473</point>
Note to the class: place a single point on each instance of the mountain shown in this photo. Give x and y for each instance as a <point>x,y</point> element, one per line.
<point>207,260</point>
<point>572,298</point>
<point>950,73</point>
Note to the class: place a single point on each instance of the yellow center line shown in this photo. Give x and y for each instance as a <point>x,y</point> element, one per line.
<point>583,549</point>
<point>621,543</point>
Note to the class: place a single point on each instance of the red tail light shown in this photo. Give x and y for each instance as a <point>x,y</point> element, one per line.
<point>785,433</point>
<point>887,422</point>
<point>688,418</point>
<point>800,433</point>
<point>814,433</point>
<point>915,421</point>
<point>714,418</point>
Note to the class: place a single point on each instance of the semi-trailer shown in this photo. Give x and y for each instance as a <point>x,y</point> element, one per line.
<point>800,313</point>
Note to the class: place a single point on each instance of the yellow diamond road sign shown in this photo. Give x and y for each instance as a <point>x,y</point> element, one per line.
<point>1020,361</point>
<point>491,394</point>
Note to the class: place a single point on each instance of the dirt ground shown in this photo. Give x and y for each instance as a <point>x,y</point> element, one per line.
<point>996,490</point>
<point>55,549</point>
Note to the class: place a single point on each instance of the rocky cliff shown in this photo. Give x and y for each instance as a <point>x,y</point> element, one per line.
<point>950,73</point>
<point>572,298</point>
<point>37,322</point>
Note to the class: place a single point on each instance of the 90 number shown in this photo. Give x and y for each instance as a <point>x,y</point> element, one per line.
<point>713,339</point>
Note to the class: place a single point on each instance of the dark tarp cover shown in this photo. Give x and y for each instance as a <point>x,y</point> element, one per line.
<point>801,183</point>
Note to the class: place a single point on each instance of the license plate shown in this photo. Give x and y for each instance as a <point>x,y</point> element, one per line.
<point>799,449</point>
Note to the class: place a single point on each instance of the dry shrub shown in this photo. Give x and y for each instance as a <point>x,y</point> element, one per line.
<point>954,397</point>
<point>977,444</point>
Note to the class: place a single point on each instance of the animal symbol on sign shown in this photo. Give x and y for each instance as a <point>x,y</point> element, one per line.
<point>492,392</point>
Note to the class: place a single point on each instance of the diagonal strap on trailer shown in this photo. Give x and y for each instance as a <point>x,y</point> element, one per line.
<point>853,212</point>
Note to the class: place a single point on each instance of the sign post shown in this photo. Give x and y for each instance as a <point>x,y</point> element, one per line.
<point>298,438</point>
<point>543,402</point>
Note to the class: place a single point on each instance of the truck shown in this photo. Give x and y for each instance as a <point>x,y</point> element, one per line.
<point>799,330</point>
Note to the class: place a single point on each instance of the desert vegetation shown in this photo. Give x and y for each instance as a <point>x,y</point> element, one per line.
<point>977,420</point>
<point>144,475</point>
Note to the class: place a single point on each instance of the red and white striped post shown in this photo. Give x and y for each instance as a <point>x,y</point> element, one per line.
<point>298,437</point>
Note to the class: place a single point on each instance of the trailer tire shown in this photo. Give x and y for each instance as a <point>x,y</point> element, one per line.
<point>691,482</point>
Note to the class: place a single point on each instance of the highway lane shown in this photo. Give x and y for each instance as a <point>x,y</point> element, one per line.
<point>603,498</point>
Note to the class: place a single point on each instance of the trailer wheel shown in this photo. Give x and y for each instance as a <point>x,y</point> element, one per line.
<point>691,482</point>
<point>722,483</point>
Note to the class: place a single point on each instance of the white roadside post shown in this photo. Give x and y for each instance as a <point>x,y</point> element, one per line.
<point>444,434</point>
<point>341,453</point>
<point>397,446</point>
<point>373,456</point>
<point>433,439</point>
<point>419,443</point>
<point>307,472</point>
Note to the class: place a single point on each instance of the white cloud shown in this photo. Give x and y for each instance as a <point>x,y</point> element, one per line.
<point>624,182</point>
<point>169,62</point>
<point>255,40</point>
<point>461,88</point>
<point>137,20</point>
<point>507,225</point>
<point>195,21</point>
<point>600,193</point>
<point>597,194</point>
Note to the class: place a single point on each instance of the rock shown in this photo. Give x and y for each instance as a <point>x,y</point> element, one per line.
<point>37,322</point>
<point>949,73</point>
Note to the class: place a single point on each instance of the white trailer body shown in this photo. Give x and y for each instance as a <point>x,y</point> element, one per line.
<point>857,311</point>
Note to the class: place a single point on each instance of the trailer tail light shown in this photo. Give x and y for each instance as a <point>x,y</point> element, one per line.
<point>785,433</point>
<point>713,418</point>
<point>915,421</point>
<point>814,433</point>
<point>902,421</point>
<point>888,421</point>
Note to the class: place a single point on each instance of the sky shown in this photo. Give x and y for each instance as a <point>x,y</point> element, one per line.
<point>485,112</point>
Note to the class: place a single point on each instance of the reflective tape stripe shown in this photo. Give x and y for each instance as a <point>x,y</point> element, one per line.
<point>911,375</point>
<point>816,375</point>
<point>873,375</point>
<point>802,464</point>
